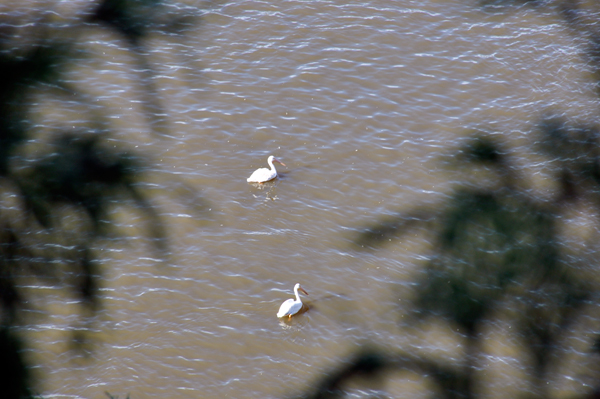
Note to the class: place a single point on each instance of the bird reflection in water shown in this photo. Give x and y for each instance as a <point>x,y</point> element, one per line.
<point>270,187</point>
<point>296,322</point>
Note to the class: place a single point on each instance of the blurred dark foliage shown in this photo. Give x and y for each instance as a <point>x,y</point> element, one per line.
<point>41,64</point>
<point>114,397</point>
<point>582,18</point>
<point>575,149</point>
<point>501,5</point>
<point>132,18</point>
<point>373,364</point>
<point>492,248</point>
<point>58,203</point>
<point>15,376</point>
<point>135,20</point>
<point>497,247</point>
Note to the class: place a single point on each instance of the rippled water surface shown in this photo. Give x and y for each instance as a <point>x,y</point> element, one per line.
<point>361,100</point>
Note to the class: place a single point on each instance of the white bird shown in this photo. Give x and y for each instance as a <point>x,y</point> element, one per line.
<point>263,174</point>
<point>291,307</point>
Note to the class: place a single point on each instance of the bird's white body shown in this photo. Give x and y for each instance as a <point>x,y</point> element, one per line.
<point>291,306</point>
<point>263,174</point>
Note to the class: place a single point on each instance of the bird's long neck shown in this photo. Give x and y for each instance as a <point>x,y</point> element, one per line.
<point>271,165</point>
<point>297,295</point>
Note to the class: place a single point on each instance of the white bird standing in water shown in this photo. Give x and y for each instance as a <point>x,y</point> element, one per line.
<point>291,307</point>
<point>263,174</point>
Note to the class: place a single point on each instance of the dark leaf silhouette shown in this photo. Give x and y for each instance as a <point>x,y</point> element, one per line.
<point>493,247</point>
<point>64,193</point>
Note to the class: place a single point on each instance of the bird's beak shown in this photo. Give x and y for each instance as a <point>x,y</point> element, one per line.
<point>279,162</point>
<point>302,289</point>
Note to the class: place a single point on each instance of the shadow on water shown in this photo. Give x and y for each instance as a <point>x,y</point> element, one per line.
<point>268,188</point>
<point>135,20</point>
<point>498,254</point>
<point>298,320</point>
<point>58,192</point>
<point>501,255</point>
<point>310,306</point>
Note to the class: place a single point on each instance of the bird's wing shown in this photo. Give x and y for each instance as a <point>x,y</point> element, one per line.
<point>259,174</point>
<point>285,308</point>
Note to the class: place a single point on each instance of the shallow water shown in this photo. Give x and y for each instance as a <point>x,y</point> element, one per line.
<point>362,101</point>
